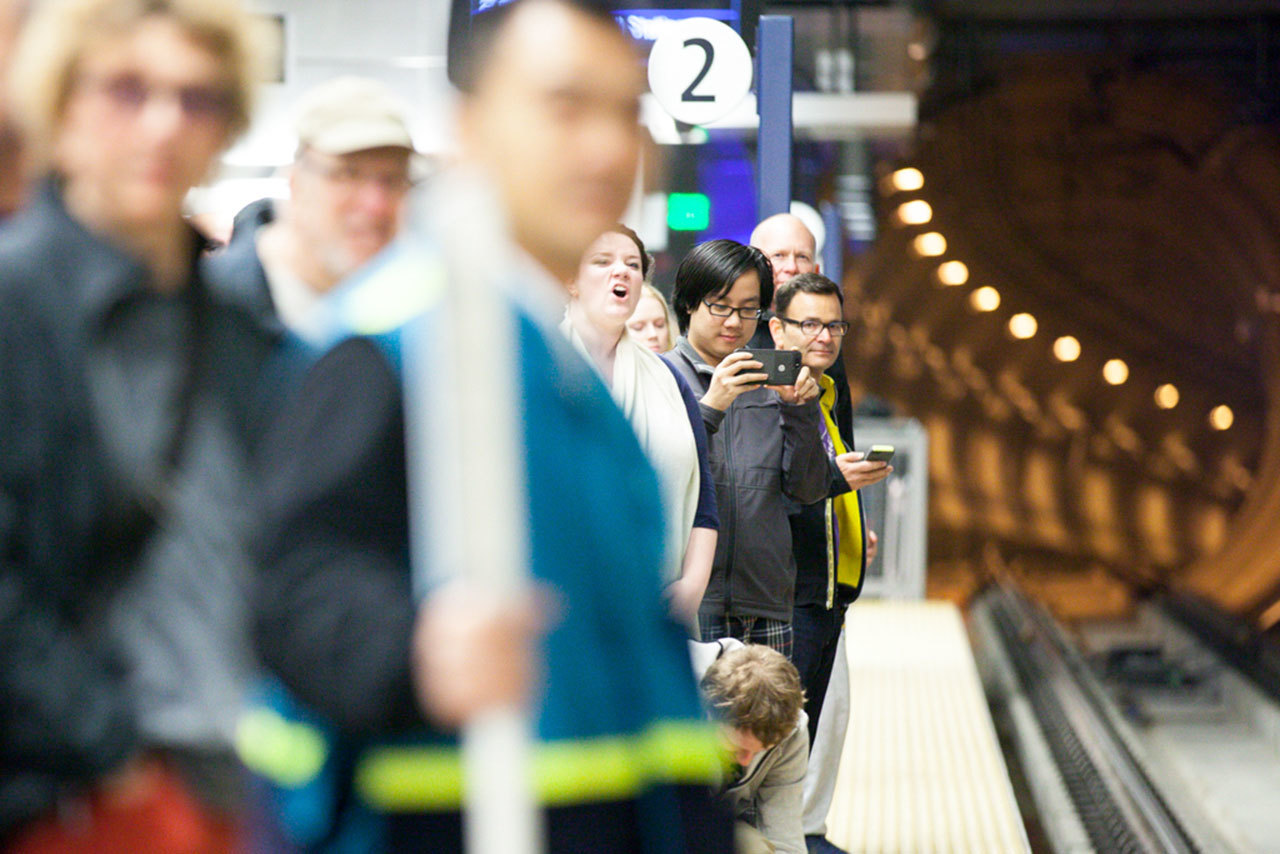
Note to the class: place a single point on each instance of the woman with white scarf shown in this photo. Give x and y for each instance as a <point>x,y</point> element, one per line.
<point>658,402</point>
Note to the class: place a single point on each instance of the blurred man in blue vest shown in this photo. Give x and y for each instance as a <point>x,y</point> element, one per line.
<point>623,760</point>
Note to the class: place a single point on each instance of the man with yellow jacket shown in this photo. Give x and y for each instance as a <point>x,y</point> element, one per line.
<point>829,538</point>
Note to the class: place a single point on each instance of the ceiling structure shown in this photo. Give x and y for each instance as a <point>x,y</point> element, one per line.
<point>1116,181</point>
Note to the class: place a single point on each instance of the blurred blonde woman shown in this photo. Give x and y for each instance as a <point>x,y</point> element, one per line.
<point>125,436</point>
<point>652,324</point>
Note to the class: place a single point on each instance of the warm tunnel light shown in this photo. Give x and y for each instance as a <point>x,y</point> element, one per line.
<point>1167,396</point>
<point>931,244</point>
<point>1066,349</point>
<point>1023,326</point>
<point>953,273</point>
<point>1115,371</point>
<point>915,212</point>
<point>908,180</point>
<point>985,299</point>
<point>1221,418</point>
<point>1269,617</point>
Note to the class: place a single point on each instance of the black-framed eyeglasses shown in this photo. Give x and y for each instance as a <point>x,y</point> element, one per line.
<point>812,328</point>
<point>722,310</point>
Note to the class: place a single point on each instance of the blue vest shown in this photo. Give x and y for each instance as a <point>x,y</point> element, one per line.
<point>618,712</point>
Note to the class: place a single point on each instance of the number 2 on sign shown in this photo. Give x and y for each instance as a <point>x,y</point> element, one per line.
<point>699,70</point>
<point>709,54</point>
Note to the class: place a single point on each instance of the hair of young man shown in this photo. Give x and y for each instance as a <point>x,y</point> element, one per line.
<point>472,38</point>
<point>646,260</point>
<point>757,689</point>
<point>58,34</point>
<point>710,270</point>
<point>805,283</point>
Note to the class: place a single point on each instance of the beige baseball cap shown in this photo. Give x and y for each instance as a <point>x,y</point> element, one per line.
<point>349,114</point>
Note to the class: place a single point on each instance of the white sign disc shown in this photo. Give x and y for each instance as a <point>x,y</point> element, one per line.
<point>699,70</point>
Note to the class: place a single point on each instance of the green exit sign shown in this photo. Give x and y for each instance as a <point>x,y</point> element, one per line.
<point>688,212</point>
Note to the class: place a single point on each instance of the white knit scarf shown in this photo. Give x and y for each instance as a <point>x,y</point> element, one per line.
<point>645,390</point>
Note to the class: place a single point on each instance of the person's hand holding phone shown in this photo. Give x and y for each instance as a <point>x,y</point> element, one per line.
<point>859,472</point>
<point>805,389</point>
<point>736,373</point>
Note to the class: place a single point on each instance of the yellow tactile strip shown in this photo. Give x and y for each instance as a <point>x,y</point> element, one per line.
<point>921,769</point>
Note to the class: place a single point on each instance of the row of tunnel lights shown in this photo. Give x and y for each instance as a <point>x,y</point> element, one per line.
<point>1023,325</point>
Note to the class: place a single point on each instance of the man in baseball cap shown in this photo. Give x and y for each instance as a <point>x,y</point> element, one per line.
<point>348,183</point>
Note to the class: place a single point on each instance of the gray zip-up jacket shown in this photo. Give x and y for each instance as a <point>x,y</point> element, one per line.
<point>760,450</point>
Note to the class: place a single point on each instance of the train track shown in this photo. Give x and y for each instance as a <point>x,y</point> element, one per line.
<point>1116,801</point>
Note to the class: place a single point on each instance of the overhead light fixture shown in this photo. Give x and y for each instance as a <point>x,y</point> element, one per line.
<point>953,273</point>
<point>1115,371</point>
<point>1023,326</point>
<point>1221,417</point>
<point>985,298</point>
<point>908,180</point>
<point>915,212</point>
<point>931,244</point>
<point>1066,349</point>
<point>1269,617</point>
<point>917,51</point>
<point>1167,396</point>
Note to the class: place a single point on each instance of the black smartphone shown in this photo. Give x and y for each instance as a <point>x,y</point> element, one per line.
<point>879,454</point>
<point>782,366</point>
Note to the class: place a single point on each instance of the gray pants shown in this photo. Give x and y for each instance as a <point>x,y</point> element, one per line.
<point>828,745</point>
<point>748,840</point>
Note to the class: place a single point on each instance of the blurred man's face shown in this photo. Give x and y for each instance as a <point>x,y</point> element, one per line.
<point>554,121</point>
<point>345,208</point>
<point>819,350</point>
<point>789,246</point>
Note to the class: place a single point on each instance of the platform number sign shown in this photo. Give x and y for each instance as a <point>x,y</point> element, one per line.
<point>699,70</point>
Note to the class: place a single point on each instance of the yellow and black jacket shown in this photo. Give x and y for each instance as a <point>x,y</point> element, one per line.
<point>830,569</point>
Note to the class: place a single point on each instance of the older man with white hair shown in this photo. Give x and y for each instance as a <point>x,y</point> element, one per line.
<point>348,186</point>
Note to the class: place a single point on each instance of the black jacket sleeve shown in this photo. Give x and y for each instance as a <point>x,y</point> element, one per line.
<point>333,611</point>
<point>64,720</point>
<point>806,471</point>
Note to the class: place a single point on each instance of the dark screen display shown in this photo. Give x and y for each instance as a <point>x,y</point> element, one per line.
<point>640,19</point>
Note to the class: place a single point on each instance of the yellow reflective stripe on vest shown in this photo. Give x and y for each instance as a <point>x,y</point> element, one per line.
<point>413,778</point>
<point>288,753</point>
<point>410,778</point>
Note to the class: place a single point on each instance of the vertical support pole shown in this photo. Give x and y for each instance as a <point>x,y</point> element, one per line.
<point>465,477</point>
<point>833,248</point>
<point>775,41</point>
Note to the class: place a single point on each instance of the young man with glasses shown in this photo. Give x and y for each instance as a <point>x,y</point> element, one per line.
<point>348,184</point>
<point>830,539</point>
<point>763,442</point>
